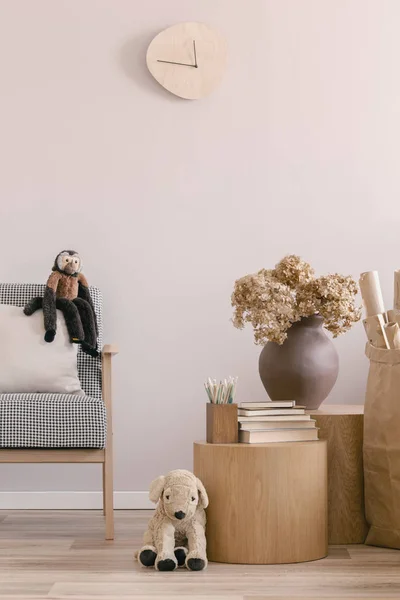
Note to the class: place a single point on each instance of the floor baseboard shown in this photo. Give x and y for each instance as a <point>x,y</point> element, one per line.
<point>71,500</point>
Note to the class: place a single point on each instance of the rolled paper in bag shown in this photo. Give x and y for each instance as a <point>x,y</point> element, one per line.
<point>375,330</point>
<point>371,293</point>
<point>393,316</point>
<point>393,335</point>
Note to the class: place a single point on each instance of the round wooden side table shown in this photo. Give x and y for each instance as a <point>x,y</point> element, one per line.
<point>268,502</point>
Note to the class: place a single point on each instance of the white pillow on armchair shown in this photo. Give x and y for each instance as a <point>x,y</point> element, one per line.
<point>28,363</point>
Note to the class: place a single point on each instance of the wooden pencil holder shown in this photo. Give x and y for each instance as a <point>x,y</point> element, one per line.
<point>222,424</point>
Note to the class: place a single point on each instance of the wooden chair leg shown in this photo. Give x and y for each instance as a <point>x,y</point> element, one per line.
<point>103,467</point>
<point>108,488</point>
<point>108,493</point>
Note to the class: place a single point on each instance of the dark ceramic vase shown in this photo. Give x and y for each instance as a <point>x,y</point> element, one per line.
<point>304,368</point>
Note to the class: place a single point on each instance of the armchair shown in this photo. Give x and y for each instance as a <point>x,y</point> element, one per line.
<point>63,428</point>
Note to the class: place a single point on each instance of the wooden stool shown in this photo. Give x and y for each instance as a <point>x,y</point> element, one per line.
<point>342,427</point>
<point>268,502</point>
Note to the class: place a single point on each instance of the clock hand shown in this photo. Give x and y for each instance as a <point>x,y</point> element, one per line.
<point>170,62</point>
<point>195,55</point>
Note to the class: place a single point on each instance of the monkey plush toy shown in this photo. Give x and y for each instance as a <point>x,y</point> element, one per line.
<point>68,290</point>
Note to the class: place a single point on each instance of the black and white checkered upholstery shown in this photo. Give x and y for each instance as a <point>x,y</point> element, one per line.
<point>55,420</point>
<point>51,421</point>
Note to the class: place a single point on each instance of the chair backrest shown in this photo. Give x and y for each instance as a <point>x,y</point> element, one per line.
<point>89,369</point>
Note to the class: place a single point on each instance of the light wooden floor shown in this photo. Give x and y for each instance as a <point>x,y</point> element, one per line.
<point>62,554</point>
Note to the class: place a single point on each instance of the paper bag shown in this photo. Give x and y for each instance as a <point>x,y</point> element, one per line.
<point>382,448</point>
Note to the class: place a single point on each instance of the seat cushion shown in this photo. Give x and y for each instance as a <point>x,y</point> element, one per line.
<point>52,421</point>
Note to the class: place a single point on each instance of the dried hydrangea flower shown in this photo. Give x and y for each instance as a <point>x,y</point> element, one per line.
<point>271,300</point>
<point>266,303</point>
<point>293,271</point>
<point>332,296</point>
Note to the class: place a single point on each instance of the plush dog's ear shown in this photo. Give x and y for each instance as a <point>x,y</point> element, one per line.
<point>156,489</point>
<point>202,493</point>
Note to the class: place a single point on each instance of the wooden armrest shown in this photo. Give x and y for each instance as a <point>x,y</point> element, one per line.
<point>110,349</point>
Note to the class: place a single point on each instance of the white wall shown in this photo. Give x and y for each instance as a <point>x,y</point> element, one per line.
<point>170,201</point>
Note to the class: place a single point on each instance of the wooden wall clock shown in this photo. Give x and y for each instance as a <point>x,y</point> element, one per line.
<point>187,59</point>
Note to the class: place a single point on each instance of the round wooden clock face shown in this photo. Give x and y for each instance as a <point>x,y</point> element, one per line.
<point>187,59</point>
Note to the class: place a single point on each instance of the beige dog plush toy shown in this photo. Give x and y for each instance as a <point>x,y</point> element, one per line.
<point>176,533</point>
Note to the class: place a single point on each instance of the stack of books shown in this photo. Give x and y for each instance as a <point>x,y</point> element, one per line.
<point>261,422</point>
